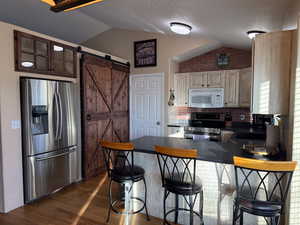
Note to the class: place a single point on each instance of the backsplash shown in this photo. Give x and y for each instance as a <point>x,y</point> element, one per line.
<point>183,113</point>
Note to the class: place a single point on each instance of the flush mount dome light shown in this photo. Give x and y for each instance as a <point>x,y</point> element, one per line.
<point>58,48</point>
<point>180,28</point>
<point>252,33</point>
<point>27,64</point>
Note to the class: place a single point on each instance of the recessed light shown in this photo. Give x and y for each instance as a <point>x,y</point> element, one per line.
<point>27,64</point>
<point>58,48</point>
<point>252,33</point>
<point>180,28</point>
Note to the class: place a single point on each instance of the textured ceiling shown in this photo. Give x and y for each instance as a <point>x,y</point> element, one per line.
<point>222,20</point>
<point>226,21</point>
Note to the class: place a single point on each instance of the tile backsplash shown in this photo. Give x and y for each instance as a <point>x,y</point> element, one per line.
<point>238,114</point>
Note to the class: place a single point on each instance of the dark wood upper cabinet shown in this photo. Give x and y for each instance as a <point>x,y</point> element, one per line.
<point>38,55</point>
<point>63,59</point>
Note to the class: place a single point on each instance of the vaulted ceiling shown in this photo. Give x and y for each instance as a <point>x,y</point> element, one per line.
<point>226,21</point>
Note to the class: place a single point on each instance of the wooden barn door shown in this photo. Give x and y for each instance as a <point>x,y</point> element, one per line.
<point>105,109</point>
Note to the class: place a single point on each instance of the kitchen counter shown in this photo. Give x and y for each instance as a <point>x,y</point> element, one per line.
<point>214,167</point>
<point>207,150</point>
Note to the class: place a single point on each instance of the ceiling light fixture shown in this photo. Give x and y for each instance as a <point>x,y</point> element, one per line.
<point>27,64</point>
<point>180,28</point>
<point>58,48</point>
<point>252,33</point>
<point>68,5</point>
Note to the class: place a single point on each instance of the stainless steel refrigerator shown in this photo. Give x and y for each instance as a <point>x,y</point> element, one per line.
<point>49,135</point>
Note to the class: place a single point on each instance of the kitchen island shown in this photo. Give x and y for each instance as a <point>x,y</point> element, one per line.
<point>214,167</point>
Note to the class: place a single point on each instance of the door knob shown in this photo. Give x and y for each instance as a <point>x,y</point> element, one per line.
<point>157,123</point>
<point>88,117</point>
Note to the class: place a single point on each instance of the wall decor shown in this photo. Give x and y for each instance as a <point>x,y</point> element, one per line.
<point>222,60</point>
<point>145,53</point>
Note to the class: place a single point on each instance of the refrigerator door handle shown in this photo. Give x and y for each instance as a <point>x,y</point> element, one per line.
<point>57,116</point>
<point>60,115</point>
<point>55,156</point>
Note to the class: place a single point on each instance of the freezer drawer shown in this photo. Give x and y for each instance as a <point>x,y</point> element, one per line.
<point>47,173</point>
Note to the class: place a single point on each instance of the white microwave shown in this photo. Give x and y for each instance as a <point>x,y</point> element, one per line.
<point>206,98</point>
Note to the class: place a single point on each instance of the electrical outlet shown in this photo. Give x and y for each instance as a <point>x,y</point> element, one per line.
<point>242,117</point>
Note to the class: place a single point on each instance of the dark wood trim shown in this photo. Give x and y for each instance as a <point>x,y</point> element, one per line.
<point>98,61</point>
<point>120,67</point>
<point>106,57</point>
<point>49,71</point>
<point>74,58</point>
<point>83,115</point>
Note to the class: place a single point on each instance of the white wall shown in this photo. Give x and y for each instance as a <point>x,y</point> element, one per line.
<point>291,16</point>
<point>11,160</point>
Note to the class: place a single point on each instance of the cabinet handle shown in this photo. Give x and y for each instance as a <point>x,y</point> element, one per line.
<point>208,85</point>
<point>202,85</point>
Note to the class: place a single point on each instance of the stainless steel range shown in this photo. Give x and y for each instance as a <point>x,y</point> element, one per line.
<point>204,126</point>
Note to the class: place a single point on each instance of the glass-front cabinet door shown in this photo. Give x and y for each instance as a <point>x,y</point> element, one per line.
<point>32,53</point>
<point>63,59</point>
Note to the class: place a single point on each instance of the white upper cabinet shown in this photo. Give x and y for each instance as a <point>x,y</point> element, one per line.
<point>181,87</point>
<point>198,80</point>
<point>231,98</point>
<point>272,65</point>
<point>245,87</point>
<point>215,79</point>
<point>236,84</point>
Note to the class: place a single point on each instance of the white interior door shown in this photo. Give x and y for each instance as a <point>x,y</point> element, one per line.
<point>146,105</point>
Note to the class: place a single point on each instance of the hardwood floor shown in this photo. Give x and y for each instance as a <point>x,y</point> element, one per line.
<point>84,203</point>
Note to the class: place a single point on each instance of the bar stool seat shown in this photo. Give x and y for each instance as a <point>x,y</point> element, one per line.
<point>128,173</point>
<point>177,185</point>
<point>260,208</point>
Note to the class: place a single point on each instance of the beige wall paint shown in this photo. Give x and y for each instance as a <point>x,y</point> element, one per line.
<point>11,154</point>
<point>119,42</point>
<point>291,17</point>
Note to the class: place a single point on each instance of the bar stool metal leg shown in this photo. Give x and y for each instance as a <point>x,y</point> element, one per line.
<point>165,198</point>
<point>201,207</point>
<point>145,204</point>
<point>235,214</point>
<point>128,203</point>
<point>109,201</point>
<point>241,217</point>
<point>191,204</point>
<point>176,208</point>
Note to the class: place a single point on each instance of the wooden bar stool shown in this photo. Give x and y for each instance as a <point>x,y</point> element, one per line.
<point>261,188</point>
<point>178,173</point>
<point>119,161</point>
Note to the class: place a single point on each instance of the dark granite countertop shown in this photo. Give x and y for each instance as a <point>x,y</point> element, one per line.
<point>207,150</point>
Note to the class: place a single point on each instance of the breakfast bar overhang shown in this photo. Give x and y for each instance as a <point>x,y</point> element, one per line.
<point>214,167</point>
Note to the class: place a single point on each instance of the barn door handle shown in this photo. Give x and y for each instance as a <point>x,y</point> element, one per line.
<point>88,117</point>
